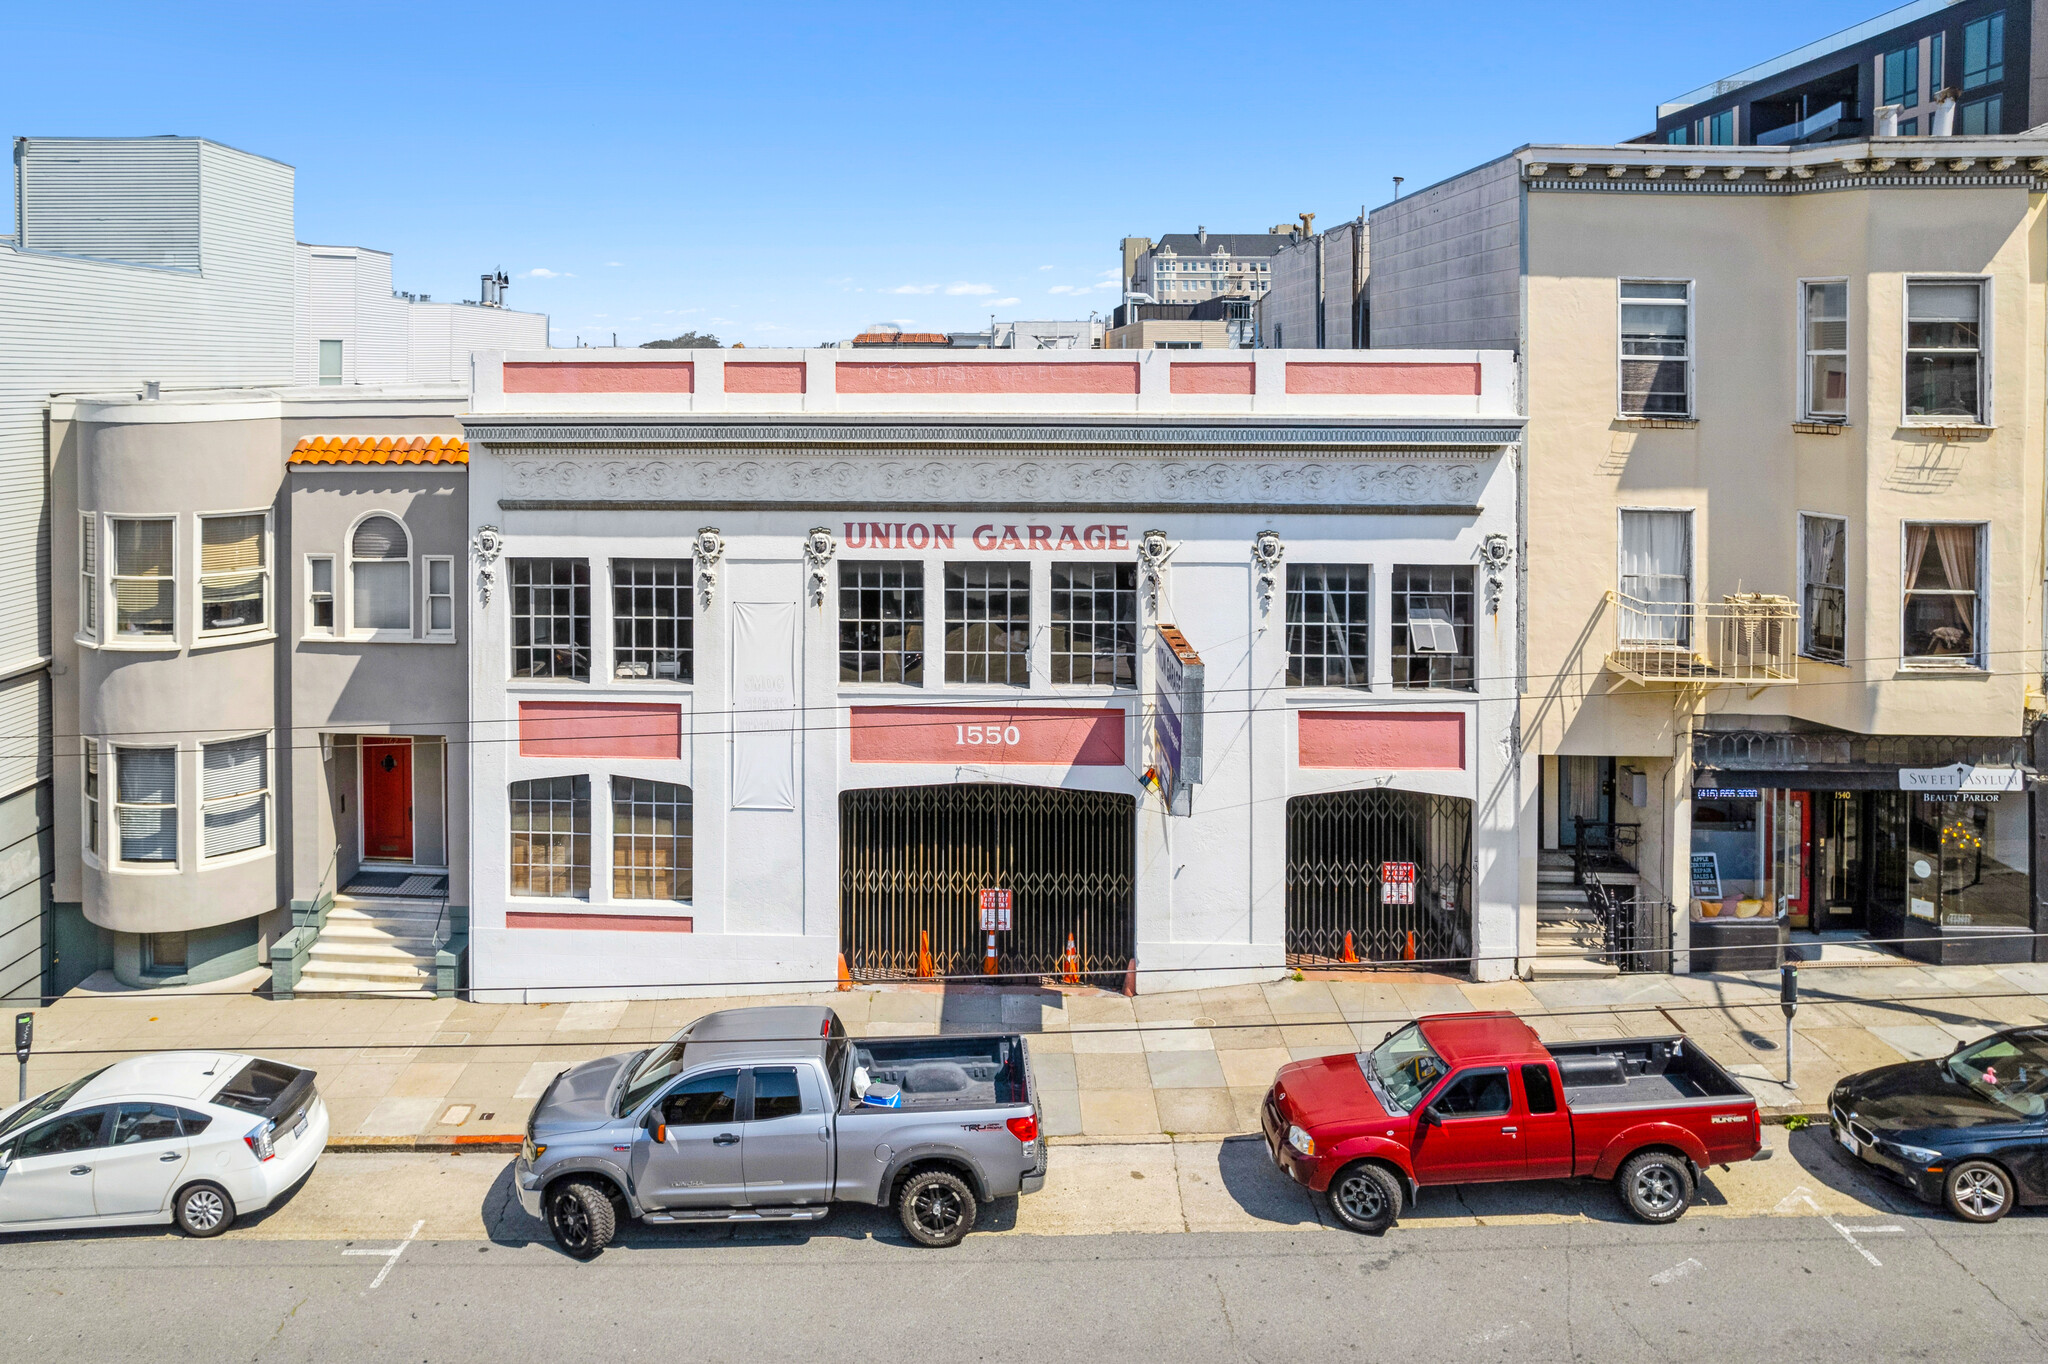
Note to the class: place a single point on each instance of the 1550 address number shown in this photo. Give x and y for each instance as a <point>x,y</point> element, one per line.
<point>986,734</point>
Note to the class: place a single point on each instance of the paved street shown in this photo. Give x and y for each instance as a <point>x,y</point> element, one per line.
<point>419,1256</point>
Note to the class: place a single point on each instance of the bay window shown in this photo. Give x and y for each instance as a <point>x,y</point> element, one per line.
<point>234,572</point>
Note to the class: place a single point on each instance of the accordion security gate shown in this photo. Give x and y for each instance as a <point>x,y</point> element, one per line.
<point>913,859</point>
<point>1337,846</point>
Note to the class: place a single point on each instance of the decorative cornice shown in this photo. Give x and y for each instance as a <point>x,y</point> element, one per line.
<point>1808,181</point>
<point>797,439</point>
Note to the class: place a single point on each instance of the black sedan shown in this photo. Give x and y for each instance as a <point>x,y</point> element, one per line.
<point>1969,1130</point>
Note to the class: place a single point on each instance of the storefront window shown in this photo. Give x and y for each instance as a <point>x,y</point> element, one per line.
<point>1967,861</point>
<point>1749,853</point>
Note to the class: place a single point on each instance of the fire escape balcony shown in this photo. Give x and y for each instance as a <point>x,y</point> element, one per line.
<point>1748,639</point>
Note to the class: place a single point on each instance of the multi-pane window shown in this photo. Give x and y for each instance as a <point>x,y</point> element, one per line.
<point>1823,587</point>
<point>1984,51</point>
<point>234,572</point>
<point>551,837</point>
<point>1095,624</point>
<point>1655,580</point>
<point>146,803</point>
<point>91,790</point>
<point>1902,77</point>
<point>650,840</point>
<point>1656,348</point>
<point>1721,129</point>
<point>1329,625</point>
<point>881,621</point>
<point>440,595</point>
<point>652,624</point>
<point>1432,626</point>
<point>145,587</point>
<point>1944,611</point>
<point>1944,348</point>
<point>988,623</point>
<point>1982,117</point>
<point>380,575</point>
<point>235,795</point>
<point>89,575</point>
<point>551,618</point>
<point>320,594</point>
<point>1826,326</point>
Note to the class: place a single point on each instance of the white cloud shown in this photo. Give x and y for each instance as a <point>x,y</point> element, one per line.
<point>614,263</point>
<point>913,289</point>
<point>1004,302</point>
<point>1045,267</point>
<point>1068,289</point>
<point>542,272</point>
<point>1107,284</point>
<point>962,288</point>
<point>1106,274</point>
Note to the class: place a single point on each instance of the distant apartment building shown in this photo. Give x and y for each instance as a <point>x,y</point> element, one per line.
<point>1316,300</point>
<point>1962,68</point>
<point>1190,267</point>
<point>1783,530</point>
<point>353,328</point>
<point>1221,323</point>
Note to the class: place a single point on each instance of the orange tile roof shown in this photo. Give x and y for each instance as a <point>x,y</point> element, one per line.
<point>381,450</point>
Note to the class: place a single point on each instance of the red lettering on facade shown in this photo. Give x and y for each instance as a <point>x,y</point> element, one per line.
<point>878,535</point>
<point>899,534</point>
<point>1041,536</point>
<point>919,536</point>
<point>856,536</point>
<point>1010,540</point>
<point>1095,537</point>
<point>1068,539</point>
<point>984,537</point>
<point>942,536</point>
<point>1119,537</point>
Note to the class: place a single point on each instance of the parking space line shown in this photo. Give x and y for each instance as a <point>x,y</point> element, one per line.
<point>390,1256</point>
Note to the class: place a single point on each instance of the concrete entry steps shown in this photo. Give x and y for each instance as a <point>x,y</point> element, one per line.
<point>1568,931</point>
<point>382,947</point>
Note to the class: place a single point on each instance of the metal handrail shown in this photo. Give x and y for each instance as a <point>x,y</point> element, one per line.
<point>1744,637</point>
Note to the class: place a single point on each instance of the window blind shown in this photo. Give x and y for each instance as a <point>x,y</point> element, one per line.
<point>235,768</point>
<point>143,547</point>
<point>383,596</point>
<point>148,776</point>
<point>380,537</point>
<point>237,825</point>
<point>229,544</point>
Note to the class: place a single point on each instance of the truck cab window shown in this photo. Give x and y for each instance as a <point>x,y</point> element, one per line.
<point>1475,1094</point>
<point>703,1099</point>
<point>776,1094</point>
<point>1538,1089</point>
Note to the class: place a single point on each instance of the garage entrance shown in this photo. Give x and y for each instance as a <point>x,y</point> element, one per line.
<point>912,859</point>
<point>1338,847</point>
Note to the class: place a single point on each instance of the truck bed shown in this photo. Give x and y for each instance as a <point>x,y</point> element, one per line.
<point>1641,1072</point>
<point>948,1072</point>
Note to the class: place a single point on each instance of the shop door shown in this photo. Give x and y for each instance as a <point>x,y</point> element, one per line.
<point>1585,791</point>
<point>387,799</point>
<point>1339,847</point>
<point>1841,893</point>
<point>913,860</point>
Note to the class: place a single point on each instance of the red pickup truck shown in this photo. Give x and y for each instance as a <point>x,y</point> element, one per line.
<point>1473,1098</point>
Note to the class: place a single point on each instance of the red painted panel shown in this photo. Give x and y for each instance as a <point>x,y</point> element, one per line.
<point>764,377</point>
<point>600,923</point>
<point>988,734</point>
<point>600,376</point>
<point>599,729</point>
<point>959,376</point>
<point>1231,379</point>
<point>1383,740</point>
<point>1387,379</point>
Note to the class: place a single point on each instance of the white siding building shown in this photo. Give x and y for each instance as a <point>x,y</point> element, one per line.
<point>354,330</point>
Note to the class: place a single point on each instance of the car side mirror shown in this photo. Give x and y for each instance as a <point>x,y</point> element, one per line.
<point>6,1157</point>
<point>656,1128</point>
<point>1430,1117</point>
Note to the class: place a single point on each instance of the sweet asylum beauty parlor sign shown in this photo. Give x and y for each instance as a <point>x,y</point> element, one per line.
<point>990,537</point>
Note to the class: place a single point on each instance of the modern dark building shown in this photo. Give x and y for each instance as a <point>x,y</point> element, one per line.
<point>1931,68</point>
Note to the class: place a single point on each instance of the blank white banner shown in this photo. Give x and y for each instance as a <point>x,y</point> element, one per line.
<point>764,713</point>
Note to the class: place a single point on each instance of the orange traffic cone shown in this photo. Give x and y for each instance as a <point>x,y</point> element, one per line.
<point>1131,979</point>
<point>845,976</point>
<point>1070,964</point>
<point>1350,951</point>
<point>1408,954</point>
<point>924,954</point>
<point>988,962</point>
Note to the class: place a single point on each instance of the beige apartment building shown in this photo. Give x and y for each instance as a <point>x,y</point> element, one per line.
<point>1782,534</point>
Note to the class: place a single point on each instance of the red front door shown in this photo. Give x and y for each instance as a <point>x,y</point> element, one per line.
<point>387,798</point>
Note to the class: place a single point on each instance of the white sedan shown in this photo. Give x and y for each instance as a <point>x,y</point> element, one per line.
<point>192,1137</point>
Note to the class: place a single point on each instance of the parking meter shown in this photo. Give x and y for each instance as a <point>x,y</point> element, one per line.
<point>1788,1000</point>
<point>24,1039</point>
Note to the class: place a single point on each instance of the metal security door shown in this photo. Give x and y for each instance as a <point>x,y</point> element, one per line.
<point>1337,845</point>
<point>912,860</point>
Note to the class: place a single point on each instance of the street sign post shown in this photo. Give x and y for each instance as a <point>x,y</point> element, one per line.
<point>24,1041</point>
<point>1176,713</point>
<point>1397,883</point>
<point>995,918</point>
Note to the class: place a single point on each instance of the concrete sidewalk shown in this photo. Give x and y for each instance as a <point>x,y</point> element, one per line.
<point>442,1072</point>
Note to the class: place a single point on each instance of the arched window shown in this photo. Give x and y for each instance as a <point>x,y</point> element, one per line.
<point>380,575</point>
<point>650,840</point>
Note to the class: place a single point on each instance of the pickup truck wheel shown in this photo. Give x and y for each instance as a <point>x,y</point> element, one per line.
<point>1655,1186</point>
<point>580,1216</point>
<point>1365,1197</point>
<point>1978,1191</point>
<point>937,1208</point>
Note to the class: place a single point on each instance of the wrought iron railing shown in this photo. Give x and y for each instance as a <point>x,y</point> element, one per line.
<point>1749,638</point>
<point>1602,845</point>
<point>1635,930</point>
<point>1339,846</point>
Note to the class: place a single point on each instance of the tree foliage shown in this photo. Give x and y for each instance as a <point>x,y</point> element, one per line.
<point>687,341</point>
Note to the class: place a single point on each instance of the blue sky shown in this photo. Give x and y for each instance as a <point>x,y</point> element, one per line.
<point>785,174</point>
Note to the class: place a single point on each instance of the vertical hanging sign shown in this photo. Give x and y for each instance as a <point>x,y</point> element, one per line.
<point>1176,713</point>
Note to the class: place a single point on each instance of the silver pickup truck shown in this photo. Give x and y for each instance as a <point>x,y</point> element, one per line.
<point>774,1114</point>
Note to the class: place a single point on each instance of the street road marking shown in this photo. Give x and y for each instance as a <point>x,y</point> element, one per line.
<point>1677,1271</point>
<point>390,1256</point>
<point>1792,1202</point>
<point>1850,1237</point>
<point>1875,1231</point>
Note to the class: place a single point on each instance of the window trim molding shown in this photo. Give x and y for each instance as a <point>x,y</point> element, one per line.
<point>600,617</point>
<point>427,595</point>
<point>1799,553</point>
<point>346,625</point>
<point>268,847</point>
<point>1986,415</point>
<point>96,594</point>
<point>613,837</point>
<point>1692,385</point>
<point>1379,607</point>
<point>115,862</point>
<point>91,808</point>
<point>310,631</point>
<point>1978,662</point>
<point>267,627</point>
<point>1692,563</point>
<point>112,638</point>
<point>1804,412</point>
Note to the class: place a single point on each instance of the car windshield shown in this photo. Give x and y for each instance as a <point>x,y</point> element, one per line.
<point>656,1067</point>
<point>47,1104</point>
<point>1406,1066</point>
<point>2008,1068</point>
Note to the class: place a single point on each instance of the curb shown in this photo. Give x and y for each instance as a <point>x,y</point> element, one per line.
<point>479,1141</point>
